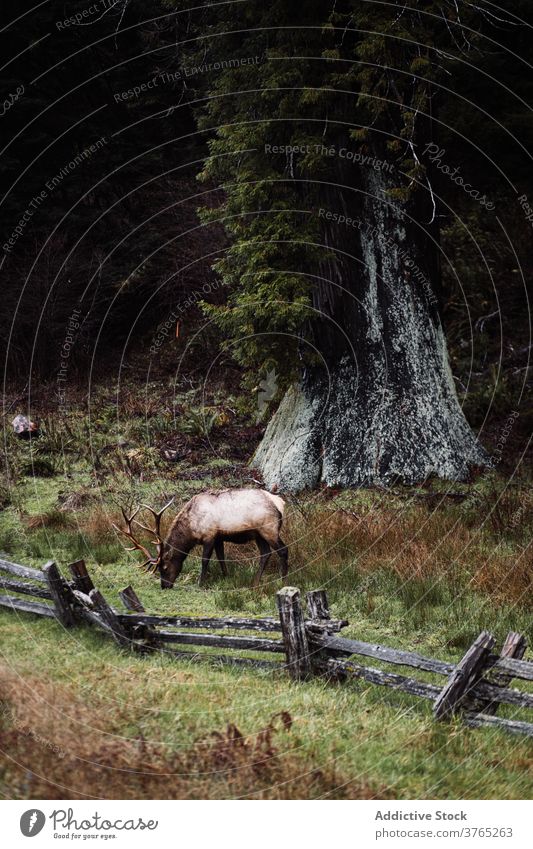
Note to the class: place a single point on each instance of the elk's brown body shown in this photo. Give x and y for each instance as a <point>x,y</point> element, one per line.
<point>212,518</point>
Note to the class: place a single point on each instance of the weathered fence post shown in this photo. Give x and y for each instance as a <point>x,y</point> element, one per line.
<point>109,618</point>
<point>318,605</point>
<point>131,600</point>
<point>144,637</point>
<point>294,633</point>
<point>318,609</point>
<point>464,677</point>
<point>82,580</point>
<point>61,593</point>
<point>513,647</point>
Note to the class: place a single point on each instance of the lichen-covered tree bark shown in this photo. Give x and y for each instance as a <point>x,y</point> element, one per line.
<point>382,406</point>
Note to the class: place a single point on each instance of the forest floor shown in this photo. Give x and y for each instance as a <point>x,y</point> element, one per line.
<point>424,568</point>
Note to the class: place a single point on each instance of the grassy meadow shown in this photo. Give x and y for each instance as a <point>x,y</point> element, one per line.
<point>421,568</point>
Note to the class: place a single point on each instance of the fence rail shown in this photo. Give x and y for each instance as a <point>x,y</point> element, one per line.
<point>473,690</point>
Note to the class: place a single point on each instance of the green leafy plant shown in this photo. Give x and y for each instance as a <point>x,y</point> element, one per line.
<point>5,495</point>
<point>40,467</point>
<point>199,422</point>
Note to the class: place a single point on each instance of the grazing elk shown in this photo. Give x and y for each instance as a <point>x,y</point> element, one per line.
<point>210,519</point>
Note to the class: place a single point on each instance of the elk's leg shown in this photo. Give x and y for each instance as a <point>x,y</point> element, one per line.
<point>207,551</point>
<point>219,551</point>
<point>283,554</point>
<point>265,552</point>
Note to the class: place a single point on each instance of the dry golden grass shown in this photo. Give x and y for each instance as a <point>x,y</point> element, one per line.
<point>414,543</point>
<point>52,518</point>
<point>98,524</point>
<point>93,760</point>
<point>507,578</point>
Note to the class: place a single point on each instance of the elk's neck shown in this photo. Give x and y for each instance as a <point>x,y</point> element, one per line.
<point>179,537</point>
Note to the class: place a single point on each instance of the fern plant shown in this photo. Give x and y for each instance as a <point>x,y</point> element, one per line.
<point>199,422</point>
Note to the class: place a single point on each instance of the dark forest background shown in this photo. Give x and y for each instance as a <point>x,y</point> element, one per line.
<point>120,238</point>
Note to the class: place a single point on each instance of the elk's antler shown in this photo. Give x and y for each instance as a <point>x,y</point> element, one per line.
<point>151,563</point>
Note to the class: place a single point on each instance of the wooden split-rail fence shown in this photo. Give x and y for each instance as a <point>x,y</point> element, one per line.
<point>308,645</point>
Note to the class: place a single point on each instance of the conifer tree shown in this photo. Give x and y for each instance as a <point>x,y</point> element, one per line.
<point>317,115</point>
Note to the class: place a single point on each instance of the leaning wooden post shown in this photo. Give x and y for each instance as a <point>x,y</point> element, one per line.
<point>144,637</point>
<point>131,600</point>
<point>294,633</point>
<point>82,580</point>
<point>464,677</point>
<point>514,647</point>
<point>61,595</point>
<point>109,618</point>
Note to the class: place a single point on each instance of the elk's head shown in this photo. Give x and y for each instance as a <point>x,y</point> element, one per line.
<point>171,566</point>
<point>166,560</point>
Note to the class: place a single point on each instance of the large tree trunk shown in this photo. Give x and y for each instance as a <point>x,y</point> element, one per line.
<point>383,406</point>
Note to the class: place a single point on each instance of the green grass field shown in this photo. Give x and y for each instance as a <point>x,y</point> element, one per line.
<point>411,568</point>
